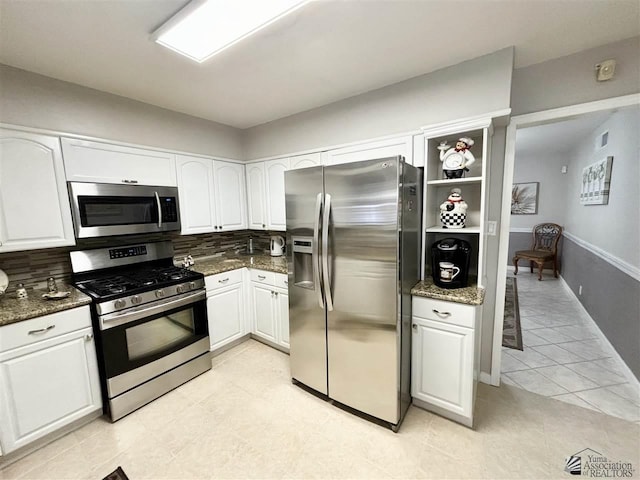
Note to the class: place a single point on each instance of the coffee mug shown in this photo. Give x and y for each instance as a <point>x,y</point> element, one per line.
<point>448,271</point>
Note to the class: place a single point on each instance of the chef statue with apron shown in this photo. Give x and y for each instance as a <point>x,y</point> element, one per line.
<point>453,211</point>
<point>456,160</point>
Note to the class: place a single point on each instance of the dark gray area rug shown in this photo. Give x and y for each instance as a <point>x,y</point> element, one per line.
<point>511,331</point>
<point>117,474</point>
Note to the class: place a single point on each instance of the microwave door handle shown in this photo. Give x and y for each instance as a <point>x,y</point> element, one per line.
<point>315,257</point>
<point>325,251</point>
<point>159,210</point>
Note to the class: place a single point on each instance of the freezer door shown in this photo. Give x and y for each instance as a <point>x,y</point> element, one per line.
<point>307,320</point>
<point>362,286</point>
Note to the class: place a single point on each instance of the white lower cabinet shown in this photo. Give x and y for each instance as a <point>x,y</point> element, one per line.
<point>444,358</point>
<point>270,309</point>
<point>49,378</point>
<point>226,308</point>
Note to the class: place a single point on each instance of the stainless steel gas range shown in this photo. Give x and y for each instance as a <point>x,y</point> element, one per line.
<point>149,319</point>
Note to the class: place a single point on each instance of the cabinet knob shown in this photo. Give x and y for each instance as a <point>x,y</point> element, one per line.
<point>88,337</point>
<point>415,327</point>
<point>263,225</point>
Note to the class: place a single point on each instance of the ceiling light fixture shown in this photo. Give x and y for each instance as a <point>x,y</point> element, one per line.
<point>206,27</point>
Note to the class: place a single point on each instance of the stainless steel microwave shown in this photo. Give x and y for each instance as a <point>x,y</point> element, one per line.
<point>101,209</point>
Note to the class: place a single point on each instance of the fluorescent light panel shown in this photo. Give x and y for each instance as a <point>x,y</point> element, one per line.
<point>206,27</point>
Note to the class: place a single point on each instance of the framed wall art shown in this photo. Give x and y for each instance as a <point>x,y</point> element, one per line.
<point>596,183</point>
<point>524,198</point>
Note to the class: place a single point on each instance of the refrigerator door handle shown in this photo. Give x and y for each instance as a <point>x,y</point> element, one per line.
<point>315,258</point>
<point>325,251</point>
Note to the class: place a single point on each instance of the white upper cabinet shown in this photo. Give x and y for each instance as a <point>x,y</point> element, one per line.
<point>212,195</point>
<point>34,203</point>
<point>371,150</point>
<point>274,175</point>
<point>256,197</point>
<point>229,190</point>
<point>195,190</point>
<point>87,161</point>
<point>304,161</point>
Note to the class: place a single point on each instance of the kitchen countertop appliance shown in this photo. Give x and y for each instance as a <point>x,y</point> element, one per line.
<point>277,246</point>
<point>149,319</point>
<point>450,259</point>
<point>101,209</point>
<point>353,239</point>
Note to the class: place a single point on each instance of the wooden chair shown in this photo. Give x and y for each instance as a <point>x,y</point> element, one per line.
<point>543,249</point>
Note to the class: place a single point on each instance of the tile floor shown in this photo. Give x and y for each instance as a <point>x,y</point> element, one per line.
<point>244,419</point>
<point>563,357</point>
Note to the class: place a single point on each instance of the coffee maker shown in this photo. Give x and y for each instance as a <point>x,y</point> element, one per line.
<point>450,258</point>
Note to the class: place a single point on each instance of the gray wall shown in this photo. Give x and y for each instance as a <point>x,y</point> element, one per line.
<point>470,88</point>
<point>611,297</point>
<point>543,168</point>
<point>615,227</point>
<point>571,80</point>
<point>33,100</point>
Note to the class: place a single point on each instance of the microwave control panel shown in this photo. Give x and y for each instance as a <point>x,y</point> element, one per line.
<point>169,209</point>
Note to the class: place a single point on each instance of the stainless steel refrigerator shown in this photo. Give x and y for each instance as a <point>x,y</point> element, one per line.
<point>353,244</point>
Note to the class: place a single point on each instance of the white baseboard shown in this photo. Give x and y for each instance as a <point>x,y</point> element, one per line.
<point>485,378</point>
<point>631,378</point>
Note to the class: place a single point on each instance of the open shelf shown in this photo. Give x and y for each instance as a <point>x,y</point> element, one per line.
<point>453,231</point>
<point>455,181</point>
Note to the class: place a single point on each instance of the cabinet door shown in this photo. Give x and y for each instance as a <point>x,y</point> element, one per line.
<point>231,202</point>
<point>256,196</point>
<point>274,174</point>
<point>34,203</point>
<point>442,365</point>
<point>282,299</point>
<point>46,386</point>
<point>263,311</point>
<point>86,161</point>
<point>195,189</point>
<point>225,308</point>
<point>372,150</point>
<point>304,161</point>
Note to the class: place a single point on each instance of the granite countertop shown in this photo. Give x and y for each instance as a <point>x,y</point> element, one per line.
<point>473,295</point>
<point>13,310</point>
<point>224,263</point>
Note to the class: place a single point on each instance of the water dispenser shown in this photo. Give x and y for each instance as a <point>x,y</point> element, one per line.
<point>302,262</point>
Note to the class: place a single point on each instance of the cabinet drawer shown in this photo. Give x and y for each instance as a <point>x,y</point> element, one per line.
<point>48,326</point>
<point>262,276</point>
<point>446,312</point>
<point>225,279</point>
<point>281,280</point>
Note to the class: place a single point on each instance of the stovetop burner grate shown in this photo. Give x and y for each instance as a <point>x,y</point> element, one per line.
<point>137,280</point>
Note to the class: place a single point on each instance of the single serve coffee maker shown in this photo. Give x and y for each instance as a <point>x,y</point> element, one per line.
<point>450,258</point>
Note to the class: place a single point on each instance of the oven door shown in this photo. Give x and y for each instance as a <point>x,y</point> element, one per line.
<point>103,209</point>
<point>141,343</point>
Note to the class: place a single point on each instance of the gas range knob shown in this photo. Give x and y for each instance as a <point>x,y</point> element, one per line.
<point>160,293</point>
<point>136,299</point>
<point>182,288</point>
<point>192,285</point>
<point>119,303</point>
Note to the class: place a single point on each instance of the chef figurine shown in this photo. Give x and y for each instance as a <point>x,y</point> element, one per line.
<point>457,160</point>
<point>453,211</point>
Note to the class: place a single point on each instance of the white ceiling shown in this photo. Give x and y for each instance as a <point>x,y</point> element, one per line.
<point>327,51</point>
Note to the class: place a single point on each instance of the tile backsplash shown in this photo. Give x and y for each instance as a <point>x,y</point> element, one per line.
<point>33,267</point>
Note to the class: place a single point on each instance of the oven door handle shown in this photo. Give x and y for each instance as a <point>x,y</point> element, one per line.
<point>132,314</point>
<point>159,209</point>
